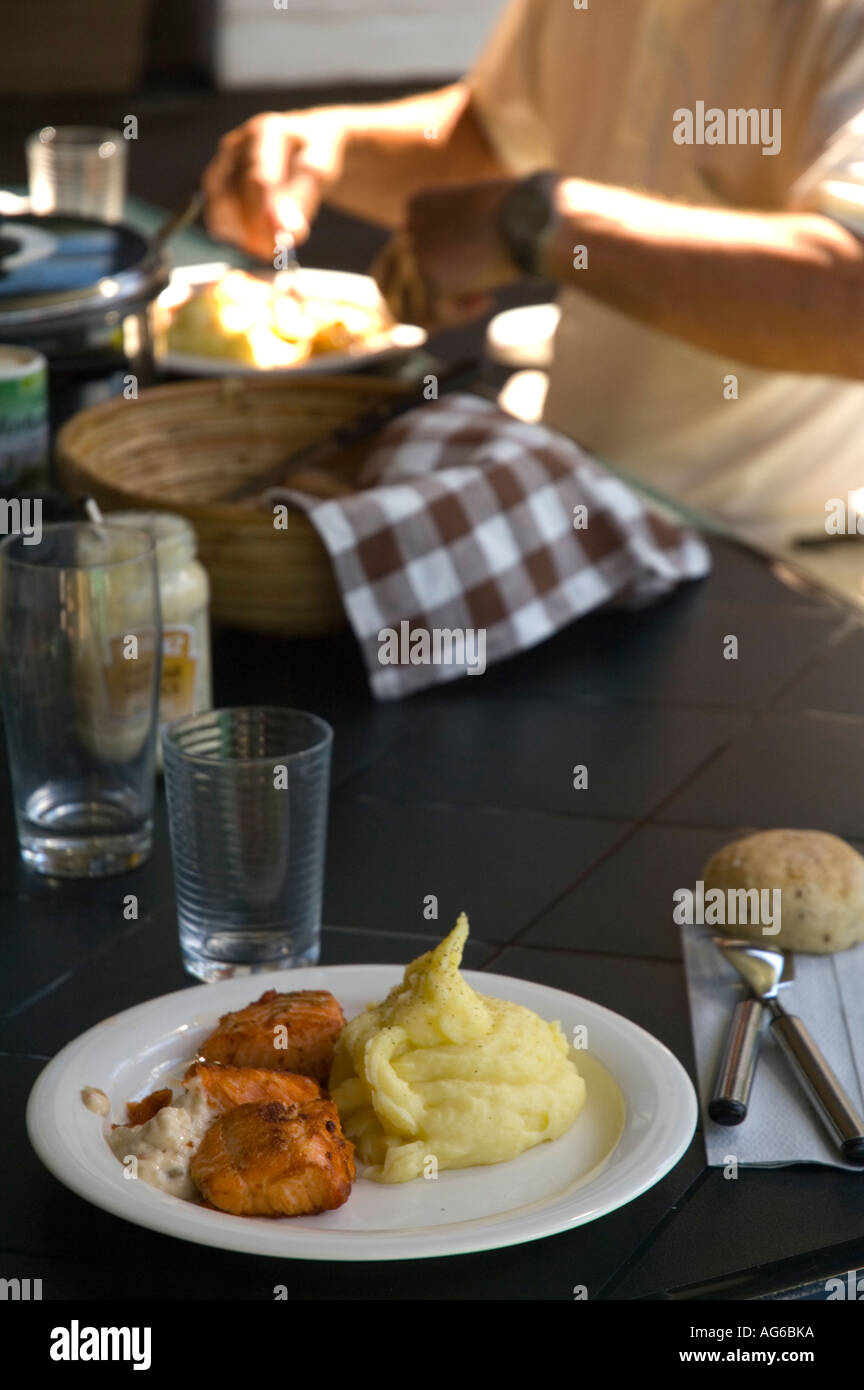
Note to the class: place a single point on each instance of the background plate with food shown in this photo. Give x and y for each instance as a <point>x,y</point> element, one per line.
<point>638,1119</point>
<point>219,321</point>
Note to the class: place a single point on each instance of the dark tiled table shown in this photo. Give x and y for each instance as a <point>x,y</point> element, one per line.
<point>467,793</point>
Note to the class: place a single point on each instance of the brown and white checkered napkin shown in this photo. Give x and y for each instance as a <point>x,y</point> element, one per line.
<point>478,536</point>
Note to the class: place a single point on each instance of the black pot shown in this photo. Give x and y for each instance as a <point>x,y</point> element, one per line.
<point>81,292</point>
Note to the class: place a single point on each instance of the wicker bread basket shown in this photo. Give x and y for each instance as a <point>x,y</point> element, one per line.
<point>178,447</point>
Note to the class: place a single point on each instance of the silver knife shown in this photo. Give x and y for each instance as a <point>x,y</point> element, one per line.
<point>728,1104</point>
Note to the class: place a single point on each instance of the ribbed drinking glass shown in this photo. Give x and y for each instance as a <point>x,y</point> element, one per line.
<point>247,804</point>
<point>80,644</point>
<point>77,169</point>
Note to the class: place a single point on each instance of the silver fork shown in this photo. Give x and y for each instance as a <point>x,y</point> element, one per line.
<point>285,280</point>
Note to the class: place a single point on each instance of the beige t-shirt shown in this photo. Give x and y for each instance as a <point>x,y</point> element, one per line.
<point>594,94</point>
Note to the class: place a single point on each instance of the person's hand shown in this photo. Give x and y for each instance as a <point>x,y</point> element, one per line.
<point>268,177</point>
<point>438,270</point>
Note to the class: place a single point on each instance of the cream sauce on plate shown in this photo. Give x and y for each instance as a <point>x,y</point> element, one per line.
<point>164,1146</point>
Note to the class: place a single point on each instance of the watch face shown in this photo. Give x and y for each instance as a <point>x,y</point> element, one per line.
<point>528,211</point>
<point>525,216</point>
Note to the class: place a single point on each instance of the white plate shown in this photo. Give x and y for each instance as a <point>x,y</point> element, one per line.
<point>637,1122</point>
<point>339,285</point>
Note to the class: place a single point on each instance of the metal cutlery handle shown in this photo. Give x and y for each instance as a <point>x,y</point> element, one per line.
<point>824,1091</point>
<point>728,1105</point>
<point>180,219</point>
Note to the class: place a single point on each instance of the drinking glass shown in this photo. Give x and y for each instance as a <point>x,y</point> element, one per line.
<point>247,809</point>
<point>80,643</point>
<point>79,170</point>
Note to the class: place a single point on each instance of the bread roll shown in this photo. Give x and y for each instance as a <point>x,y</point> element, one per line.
<point>821,880</point>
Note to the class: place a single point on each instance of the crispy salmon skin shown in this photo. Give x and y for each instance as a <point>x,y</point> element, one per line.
<point>274,1159</point>
<point>140,1111</point>
<point>283,1032</point>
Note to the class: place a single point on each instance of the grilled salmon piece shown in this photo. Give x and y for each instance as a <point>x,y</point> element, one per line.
<point>286,1032</point>
<point>140,1111</point>
<point>227,1087</point>
<point>275,1160</point>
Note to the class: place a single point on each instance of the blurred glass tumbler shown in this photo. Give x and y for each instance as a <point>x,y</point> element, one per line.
<point>79,170</point>
<point>80,642</point>
<point>247,805</point>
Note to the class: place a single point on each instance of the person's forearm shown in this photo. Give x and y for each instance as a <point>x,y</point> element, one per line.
<point>782,291</point>
<point>393,150</point>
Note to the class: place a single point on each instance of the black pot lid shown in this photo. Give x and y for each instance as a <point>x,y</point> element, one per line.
<point>61,267</point>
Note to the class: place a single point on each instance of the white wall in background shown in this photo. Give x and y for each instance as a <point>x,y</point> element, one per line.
<point>308,41</point>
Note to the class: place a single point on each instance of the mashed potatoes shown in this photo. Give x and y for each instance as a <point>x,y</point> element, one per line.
<point>440,1075</point>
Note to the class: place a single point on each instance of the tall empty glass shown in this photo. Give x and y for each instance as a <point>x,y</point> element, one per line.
<point>77,169</point>
<point>80,643</point>
<point>247,803</point>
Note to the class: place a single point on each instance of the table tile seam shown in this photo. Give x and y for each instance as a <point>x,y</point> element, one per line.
<point>834,640</point>
<point>636,826</point>
<point>371,799</point>
<point>740,719</point>
<point>580,878</point>
<point>662,1224</point>
<point>49,988</point>
<point>383,931</point>
<point>502,946</point>
<point>838,1258</point>
<point>632,702</point>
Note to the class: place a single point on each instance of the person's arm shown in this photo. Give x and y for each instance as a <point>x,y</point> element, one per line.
<point>270,174</point>
<point>390,152</point>
<point>782,291</point>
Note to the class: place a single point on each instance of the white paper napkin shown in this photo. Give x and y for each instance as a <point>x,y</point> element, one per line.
<point>781,1127</point>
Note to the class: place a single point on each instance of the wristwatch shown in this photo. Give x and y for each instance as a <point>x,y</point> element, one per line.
<point>526,219</point>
